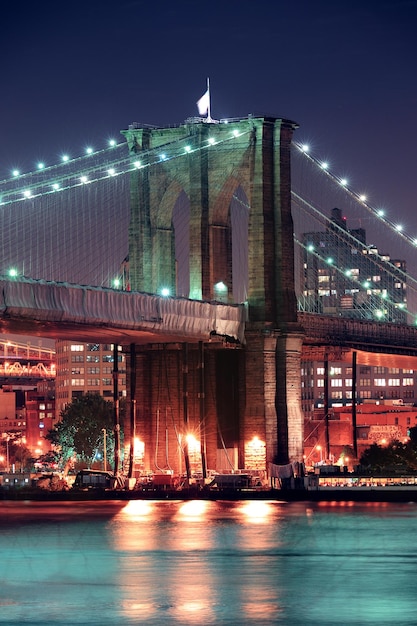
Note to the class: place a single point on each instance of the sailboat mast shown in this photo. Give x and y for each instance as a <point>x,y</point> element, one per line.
<point>202,410</point>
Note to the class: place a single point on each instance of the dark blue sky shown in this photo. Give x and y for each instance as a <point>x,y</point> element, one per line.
<point>75,73</point>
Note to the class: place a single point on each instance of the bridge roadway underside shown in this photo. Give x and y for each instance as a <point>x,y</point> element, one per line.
<point>82,313</point>
<point>375,343</point>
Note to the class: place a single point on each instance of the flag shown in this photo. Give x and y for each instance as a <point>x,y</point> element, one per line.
<point>204,103</point>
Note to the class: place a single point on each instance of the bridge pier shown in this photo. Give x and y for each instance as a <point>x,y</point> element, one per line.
<point>252,408</point>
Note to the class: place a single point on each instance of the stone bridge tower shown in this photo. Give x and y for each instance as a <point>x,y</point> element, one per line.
<point>185,182</point>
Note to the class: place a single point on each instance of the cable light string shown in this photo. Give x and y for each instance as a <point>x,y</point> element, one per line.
<point>371,257</point>
<point>117,162</point>
<point>115,166</point>
<point>305,306</point>
<point>360,198</point>
<point>377,258</point>
<point>341,185</point>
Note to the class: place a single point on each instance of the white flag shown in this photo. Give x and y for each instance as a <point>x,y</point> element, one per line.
<point>203,103</point>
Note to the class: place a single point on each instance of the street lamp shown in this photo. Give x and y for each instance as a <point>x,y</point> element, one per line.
<point>319,449</point>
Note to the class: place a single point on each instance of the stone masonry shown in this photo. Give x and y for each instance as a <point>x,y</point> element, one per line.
<point>225,394</point>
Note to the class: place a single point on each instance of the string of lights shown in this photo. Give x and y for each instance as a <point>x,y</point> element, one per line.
<point>77,200</point>
<point>358,197</point>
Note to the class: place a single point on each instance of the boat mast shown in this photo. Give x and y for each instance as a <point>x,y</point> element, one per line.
<point>202,415</point>
<point>185,406</point>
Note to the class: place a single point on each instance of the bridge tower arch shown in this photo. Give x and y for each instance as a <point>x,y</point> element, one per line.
<point>212,165</point>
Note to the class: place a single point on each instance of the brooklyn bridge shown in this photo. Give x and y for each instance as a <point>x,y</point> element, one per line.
<point>224,283</point>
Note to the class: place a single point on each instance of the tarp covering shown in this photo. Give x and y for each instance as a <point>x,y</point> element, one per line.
<point>66,303</point>
<point>284,471</point>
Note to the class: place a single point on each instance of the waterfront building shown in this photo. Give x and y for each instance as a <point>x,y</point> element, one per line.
<point>86,368</point>
<point>376,423</point>
<point>344,275</point>
<point>373,384</point>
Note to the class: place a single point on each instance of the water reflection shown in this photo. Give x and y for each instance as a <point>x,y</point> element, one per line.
<point>222,563</point>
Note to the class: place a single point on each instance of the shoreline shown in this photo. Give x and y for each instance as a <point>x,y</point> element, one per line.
<point>344,494</point>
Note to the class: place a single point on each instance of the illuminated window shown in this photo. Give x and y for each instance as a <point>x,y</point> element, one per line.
<point>408,382</point>
<point>336,382</point>
<point>77,382</point>
<point>380,382</point>
<point>393,382</point>
<point>77,348</point>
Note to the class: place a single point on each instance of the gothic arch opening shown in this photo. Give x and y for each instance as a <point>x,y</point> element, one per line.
<point>239,221</point>
<point>181,227</point>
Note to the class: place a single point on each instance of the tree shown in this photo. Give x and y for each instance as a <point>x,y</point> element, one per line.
<point>395,457</point>
<point>80,430</point>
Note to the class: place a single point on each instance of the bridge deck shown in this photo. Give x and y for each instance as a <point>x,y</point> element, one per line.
<point>83,313</point>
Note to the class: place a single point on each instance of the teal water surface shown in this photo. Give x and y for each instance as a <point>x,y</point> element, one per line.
<point>198,562</point>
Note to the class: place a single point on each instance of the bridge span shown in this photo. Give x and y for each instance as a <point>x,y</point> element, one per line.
<point>83,313</point>
<point>376,343</point>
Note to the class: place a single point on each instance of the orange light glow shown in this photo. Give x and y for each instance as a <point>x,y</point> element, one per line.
<point>255,454</point>
<point>193,443</point>
<point>193,508</point>
<point>256,512</point>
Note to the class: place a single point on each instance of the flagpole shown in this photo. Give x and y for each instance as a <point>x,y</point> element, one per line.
<point>209,104</point>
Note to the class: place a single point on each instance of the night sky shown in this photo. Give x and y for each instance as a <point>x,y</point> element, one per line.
<point>76,73</point>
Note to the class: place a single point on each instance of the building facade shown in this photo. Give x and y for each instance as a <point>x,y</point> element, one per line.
<point>343,275</point>
<point>373,384</point>
<point>86,368</point>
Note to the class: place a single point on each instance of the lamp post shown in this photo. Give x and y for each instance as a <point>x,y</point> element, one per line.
<point>7,455</point>
<point>104,448</point>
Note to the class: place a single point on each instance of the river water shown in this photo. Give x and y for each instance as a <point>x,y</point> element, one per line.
<point>198,562</point>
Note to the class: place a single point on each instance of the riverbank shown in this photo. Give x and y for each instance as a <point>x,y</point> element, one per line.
<point>342,494</point>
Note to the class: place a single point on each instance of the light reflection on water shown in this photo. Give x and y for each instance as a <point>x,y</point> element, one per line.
<point>199,562</point>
